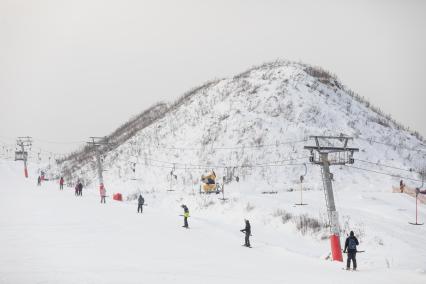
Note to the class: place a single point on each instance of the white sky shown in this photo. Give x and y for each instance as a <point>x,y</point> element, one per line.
<point>80,68</point>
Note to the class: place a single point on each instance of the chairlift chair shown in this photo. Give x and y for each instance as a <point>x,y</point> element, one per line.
<point>21,155</point>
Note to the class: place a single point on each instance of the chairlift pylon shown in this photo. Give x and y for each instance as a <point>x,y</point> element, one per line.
<point>416,223</point>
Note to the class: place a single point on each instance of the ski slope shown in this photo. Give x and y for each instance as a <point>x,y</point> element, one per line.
<point>51,236</point>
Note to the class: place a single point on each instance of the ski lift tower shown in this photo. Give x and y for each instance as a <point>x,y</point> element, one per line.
<point>98,142</point>
<point>325,153</point>
<point>23,154</point>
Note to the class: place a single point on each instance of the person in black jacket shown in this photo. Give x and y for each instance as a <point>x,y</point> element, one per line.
<point>350,246</point>
<point>247,231</point>
<point>141,201</point>
<point>80,189</point>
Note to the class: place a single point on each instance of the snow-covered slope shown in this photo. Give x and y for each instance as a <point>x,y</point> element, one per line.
<point>52,236</point>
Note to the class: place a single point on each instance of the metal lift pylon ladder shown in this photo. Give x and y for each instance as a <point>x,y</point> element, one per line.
<point>22,155</point>
<point>321,155</point>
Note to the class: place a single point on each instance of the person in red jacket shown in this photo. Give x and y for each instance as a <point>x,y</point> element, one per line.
<point>61,183</point>
<point>102,192</point>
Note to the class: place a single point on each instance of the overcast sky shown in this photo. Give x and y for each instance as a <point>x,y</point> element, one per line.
<point>73,69</point>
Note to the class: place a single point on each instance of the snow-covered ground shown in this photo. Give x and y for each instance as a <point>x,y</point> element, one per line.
<point>51,236</point>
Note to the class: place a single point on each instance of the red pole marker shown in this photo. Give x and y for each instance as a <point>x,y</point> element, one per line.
<point>336,250</point>
<point>26,172</point>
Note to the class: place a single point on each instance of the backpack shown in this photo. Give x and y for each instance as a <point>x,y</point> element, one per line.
<point>352,244</point>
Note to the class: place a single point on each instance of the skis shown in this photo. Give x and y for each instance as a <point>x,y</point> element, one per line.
<point>246,246</point>
<point>352,270</point>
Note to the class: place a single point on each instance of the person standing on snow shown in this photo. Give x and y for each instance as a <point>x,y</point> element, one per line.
<point>76,188</point>
<point>401,186</point>
<point>141,201</point>
<point>247,231</point>
<point>61,183</point>
<point>80,189</point>
<point>102,192</point>
<point>39,181</point>
<point>350,245</point>
<point>185,216</point>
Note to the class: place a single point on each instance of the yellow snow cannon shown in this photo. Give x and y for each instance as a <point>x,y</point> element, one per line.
<point>208,182</point>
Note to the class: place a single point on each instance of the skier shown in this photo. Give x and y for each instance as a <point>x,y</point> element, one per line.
<point>185,216</point>
<point>247,231</point>
<point>79,188</point>
<point>39,181</point>
<point>401,186</point>
<point>76,188</point>
<point>350,245</point>
<point>102,192</point>
<point>141,201</point>
<point>61,183</point>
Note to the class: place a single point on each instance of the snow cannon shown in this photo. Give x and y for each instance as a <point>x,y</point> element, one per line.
<point>208,183</point>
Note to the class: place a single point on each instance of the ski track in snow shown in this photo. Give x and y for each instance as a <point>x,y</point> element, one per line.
<point>49,236</point>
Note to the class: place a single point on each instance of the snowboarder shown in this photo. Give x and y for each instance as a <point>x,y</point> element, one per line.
<point>401,186</point>
<point>39,181</point>
<point>185,216</point>
<point>61,183</point>
<point>141,201</point>
<point>102,192</point>
<point>247,231</point>
<point>350,245</point>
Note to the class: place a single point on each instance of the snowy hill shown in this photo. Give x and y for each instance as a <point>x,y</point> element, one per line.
<point>254,127</point>
<point>260,117</point>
